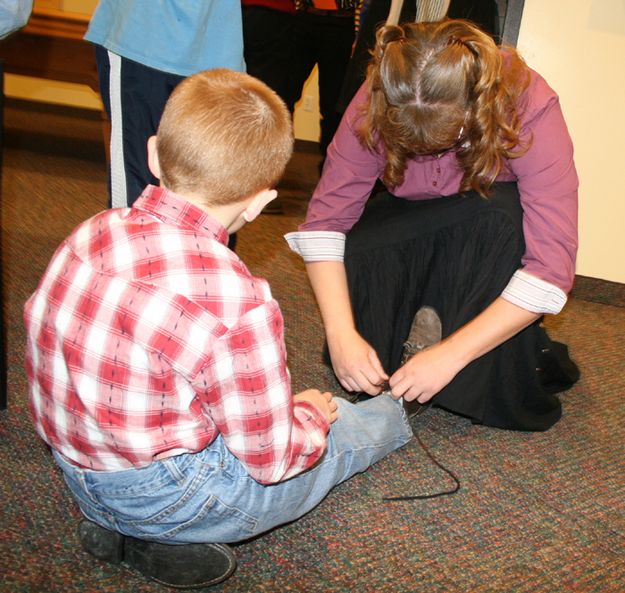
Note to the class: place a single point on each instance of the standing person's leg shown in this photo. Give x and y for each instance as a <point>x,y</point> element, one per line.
<point>268,51</point>
<point>104,72</point>
<point>304,55</point>
<point>210,496</point>
<point>485,13</point>
<point>336,38</point>
<point>134,96</point>
<point>372,16</point>
<point>268,39</point>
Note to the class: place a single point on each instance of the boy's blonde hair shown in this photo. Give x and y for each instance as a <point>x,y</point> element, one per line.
<point>223,136</point>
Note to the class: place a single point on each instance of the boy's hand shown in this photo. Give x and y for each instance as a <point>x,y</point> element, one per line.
<point>324,402</point>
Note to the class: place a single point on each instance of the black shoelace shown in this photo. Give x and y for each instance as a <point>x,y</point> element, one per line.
<point>449,492</point>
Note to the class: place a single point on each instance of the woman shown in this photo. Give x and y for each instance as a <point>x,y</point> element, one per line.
<point>474,144</point>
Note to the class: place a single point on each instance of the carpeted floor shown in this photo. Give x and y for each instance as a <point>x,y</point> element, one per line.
<point>536,513</point>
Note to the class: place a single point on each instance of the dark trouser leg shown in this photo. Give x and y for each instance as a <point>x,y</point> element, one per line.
<point>144,92</point>
<point>325,41</point>
<point>456,254</point>
<point>134,96</point>
<point>303,59</point>
<point>337,38</point>
<point>268,39</point>
<point>104,71</point>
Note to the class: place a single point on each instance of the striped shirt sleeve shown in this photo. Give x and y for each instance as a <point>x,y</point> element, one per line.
<point>315,246</point>
<point>533,294</point>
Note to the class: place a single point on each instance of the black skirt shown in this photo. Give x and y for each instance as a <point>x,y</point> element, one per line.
<point>456,254</point>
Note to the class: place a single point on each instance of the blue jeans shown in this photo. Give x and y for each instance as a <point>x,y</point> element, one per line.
<point>209,496</point>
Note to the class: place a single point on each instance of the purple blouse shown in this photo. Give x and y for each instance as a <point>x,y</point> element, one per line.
<point>545,174</point>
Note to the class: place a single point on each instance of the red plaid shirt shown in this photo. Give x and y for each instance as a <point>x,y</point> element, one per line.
<point>148,337</point>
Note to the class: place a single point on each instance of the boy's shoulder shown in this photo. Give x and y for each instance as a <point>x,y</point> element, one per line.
<point>94,228</point>
<point>129,243</point>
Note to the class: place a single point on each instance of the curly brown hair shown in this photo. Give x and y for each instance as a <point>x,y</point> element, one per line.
<point>441,86</point>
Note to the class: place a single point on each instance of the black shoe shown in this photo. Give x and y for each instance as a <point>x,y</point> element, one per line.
<point>187,566</point>
<point>556,371</point>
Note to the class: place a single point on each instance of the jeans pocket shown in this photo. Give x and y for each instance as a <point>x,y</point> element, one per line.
<point>175,504</point>
<point>215,521</point>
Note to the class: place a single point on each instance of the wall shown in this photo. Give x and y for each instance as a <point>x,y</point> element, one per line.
<point>580,48</point>
<point>79,6</point>
<point>306,116</point>
<point>49,91</point>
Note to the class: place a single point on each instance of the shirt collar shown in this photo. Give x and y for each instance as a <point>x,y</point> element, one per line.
<point>172,208</point>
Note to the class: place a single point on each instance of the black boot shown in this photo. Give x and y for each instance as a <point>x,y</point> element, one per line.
<point>187,566</point>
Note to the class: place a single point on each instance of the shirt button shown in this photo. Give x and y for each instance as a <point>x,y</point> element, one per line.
<point>434,183</point>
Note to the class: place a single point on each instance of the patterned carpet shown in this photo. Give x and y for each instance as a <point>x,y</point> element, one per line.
<point>536,513</point>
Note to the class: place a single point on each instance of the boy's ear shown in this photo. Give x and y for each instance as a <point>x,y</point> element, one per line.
<point>258,202</point>
<point>153,163</point>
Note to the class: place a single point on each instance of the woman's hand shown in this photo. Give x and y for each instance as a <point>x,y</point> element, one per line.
<point>425,374</point>
<point>356,363</point>
<point>429,371</point>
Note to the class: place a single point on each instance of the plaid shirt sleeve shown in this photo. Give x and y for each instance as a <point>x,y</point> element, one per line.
<point>247,391</point>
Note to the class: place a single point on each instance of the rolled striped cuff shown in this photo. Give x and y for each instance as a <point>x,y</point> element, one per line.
<point>317,245</point>
<point>533,294</point>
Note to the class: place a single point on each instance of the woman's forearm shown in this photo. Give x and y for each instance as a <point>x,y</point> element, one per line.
<point>355,362</point>
<point>329,283</point>
<point>492,327</point>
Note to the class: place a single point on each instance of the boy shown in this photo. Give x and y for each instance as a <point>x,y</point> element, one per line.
<point>157,365</point>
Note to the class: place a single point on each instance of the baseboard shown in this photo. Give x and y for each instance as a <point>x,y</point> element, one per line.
<point>599,291</point>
